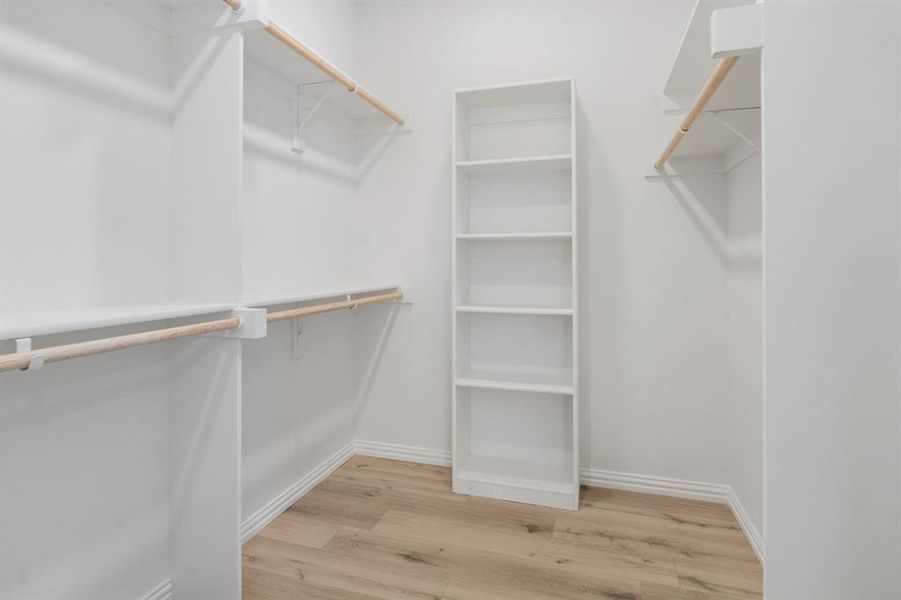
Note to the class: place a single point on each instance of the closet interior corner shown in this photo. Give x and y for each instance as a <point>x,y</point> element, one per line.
<point>382,300</point>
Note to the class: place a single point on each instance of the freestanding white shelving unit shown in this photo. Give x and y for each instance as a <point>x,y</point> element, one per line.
<point>515,347</point>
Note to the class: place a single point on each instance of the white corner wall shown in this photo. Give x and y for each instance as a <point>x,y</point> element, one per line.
<point>653,258</point>
<point>298,235</point>
<point>84,220</point>
<point>744,310</point>
<point>832,234</point>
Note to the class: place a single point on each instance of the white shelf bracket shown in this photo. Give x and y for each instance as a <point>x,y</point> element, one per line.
<point>735,130</point>
<point>300,145</point>
<point>35,362</point>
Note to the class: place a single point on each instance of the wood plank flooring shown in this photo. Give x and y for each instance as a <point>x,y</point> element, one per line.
<point>384,529</point>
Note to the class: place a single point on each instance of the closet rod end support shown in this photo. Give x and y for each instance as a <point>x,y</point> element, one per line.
<point>252,324</point>
<point>408,293</point>
<point>36,361</point>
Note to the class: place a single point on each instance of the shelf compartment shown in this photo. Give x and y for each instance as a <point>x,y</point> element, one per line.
<point>514,203</point>
<point>515,446</point>
<point>522,474</point>
<point>531,276</point>
<point>521,346</point>
<point>514,121</point>
<point>560,382</point>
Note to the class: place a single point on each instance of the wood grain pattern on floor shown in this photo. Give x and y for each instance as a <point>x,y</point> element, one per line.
<point>384,529</point>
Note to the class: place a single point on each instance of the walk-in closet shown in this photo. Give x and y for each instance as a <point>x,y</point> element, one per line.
<point>450,300</point>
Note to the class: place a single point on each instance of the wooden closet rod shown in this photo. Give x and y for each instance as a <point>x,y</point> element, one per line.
<point>235,4</point>
<point>319,62</point>
<point>324,66</point>
<point>713,83</point>
<point>331,306</point>
<point>22,360</point>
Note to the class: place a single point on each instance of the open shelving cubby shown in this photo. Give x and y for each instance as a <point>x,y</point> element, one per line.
<point>515,393</point>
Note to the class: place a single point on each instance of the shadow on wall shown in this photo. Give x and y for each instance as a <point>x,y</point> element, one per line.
<point>706,206</point>
<point>283,124</point>
<point>374,329</point>
<point>85,65</point>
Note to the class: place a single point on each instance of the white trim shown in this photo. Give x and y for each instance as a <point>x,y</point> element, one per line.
<point>272,509</point>
<point>662,486</point>
<point>161,592</point>
<point>426,456</point>
<point>679,488</point>
<point>751,532</point>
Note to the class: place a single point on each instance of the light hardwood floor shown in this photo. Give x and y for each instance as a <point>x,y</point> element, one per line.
<point>384,529</point>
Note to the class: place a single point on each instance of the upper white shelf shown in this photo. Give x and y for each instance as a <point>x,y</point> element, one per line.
<point>534,164</point>
<point>319,294</point>
<point>694,63</point>
<point>502,237</point>
<point>32,324</point>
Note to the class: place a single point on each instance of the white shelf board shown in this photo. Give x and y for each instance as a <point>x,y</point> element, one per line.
<point>516,310</point>
<point>530,92</point>
<point>79,319</point>
<point>556,478</point>
<point>500,237</point>
<point>321,293</point>
<point>694,63</point>
<point>547,383</point>
<point>533,164</point>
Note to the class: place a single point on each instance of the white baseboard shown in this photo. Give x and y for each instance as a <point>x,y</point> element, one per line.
<point>751,532</point>
<point>426,456</point>
<point>679,488</point>
<point>161,592</point>
<point>648,484</point>
<point>662,486</point>
<point>258,520</point>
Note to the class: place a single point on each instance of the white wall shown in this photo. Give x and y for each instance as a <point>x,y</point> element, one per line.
<point>832,235</point>
<point>297,212</point>
<point>653,258</point>
<point>84,220</point>
<point>745,330</point>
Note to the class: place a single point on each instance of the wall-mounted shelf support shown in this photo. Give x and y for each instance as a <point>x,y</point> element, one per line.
<point>299,146</point>
<point>740,134</point>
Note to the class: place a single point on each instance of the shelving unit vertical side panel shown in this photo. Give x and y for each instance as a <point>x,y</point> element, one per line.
<point>204,410</point>
<point>455,211</point>
<point>575,293</point>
